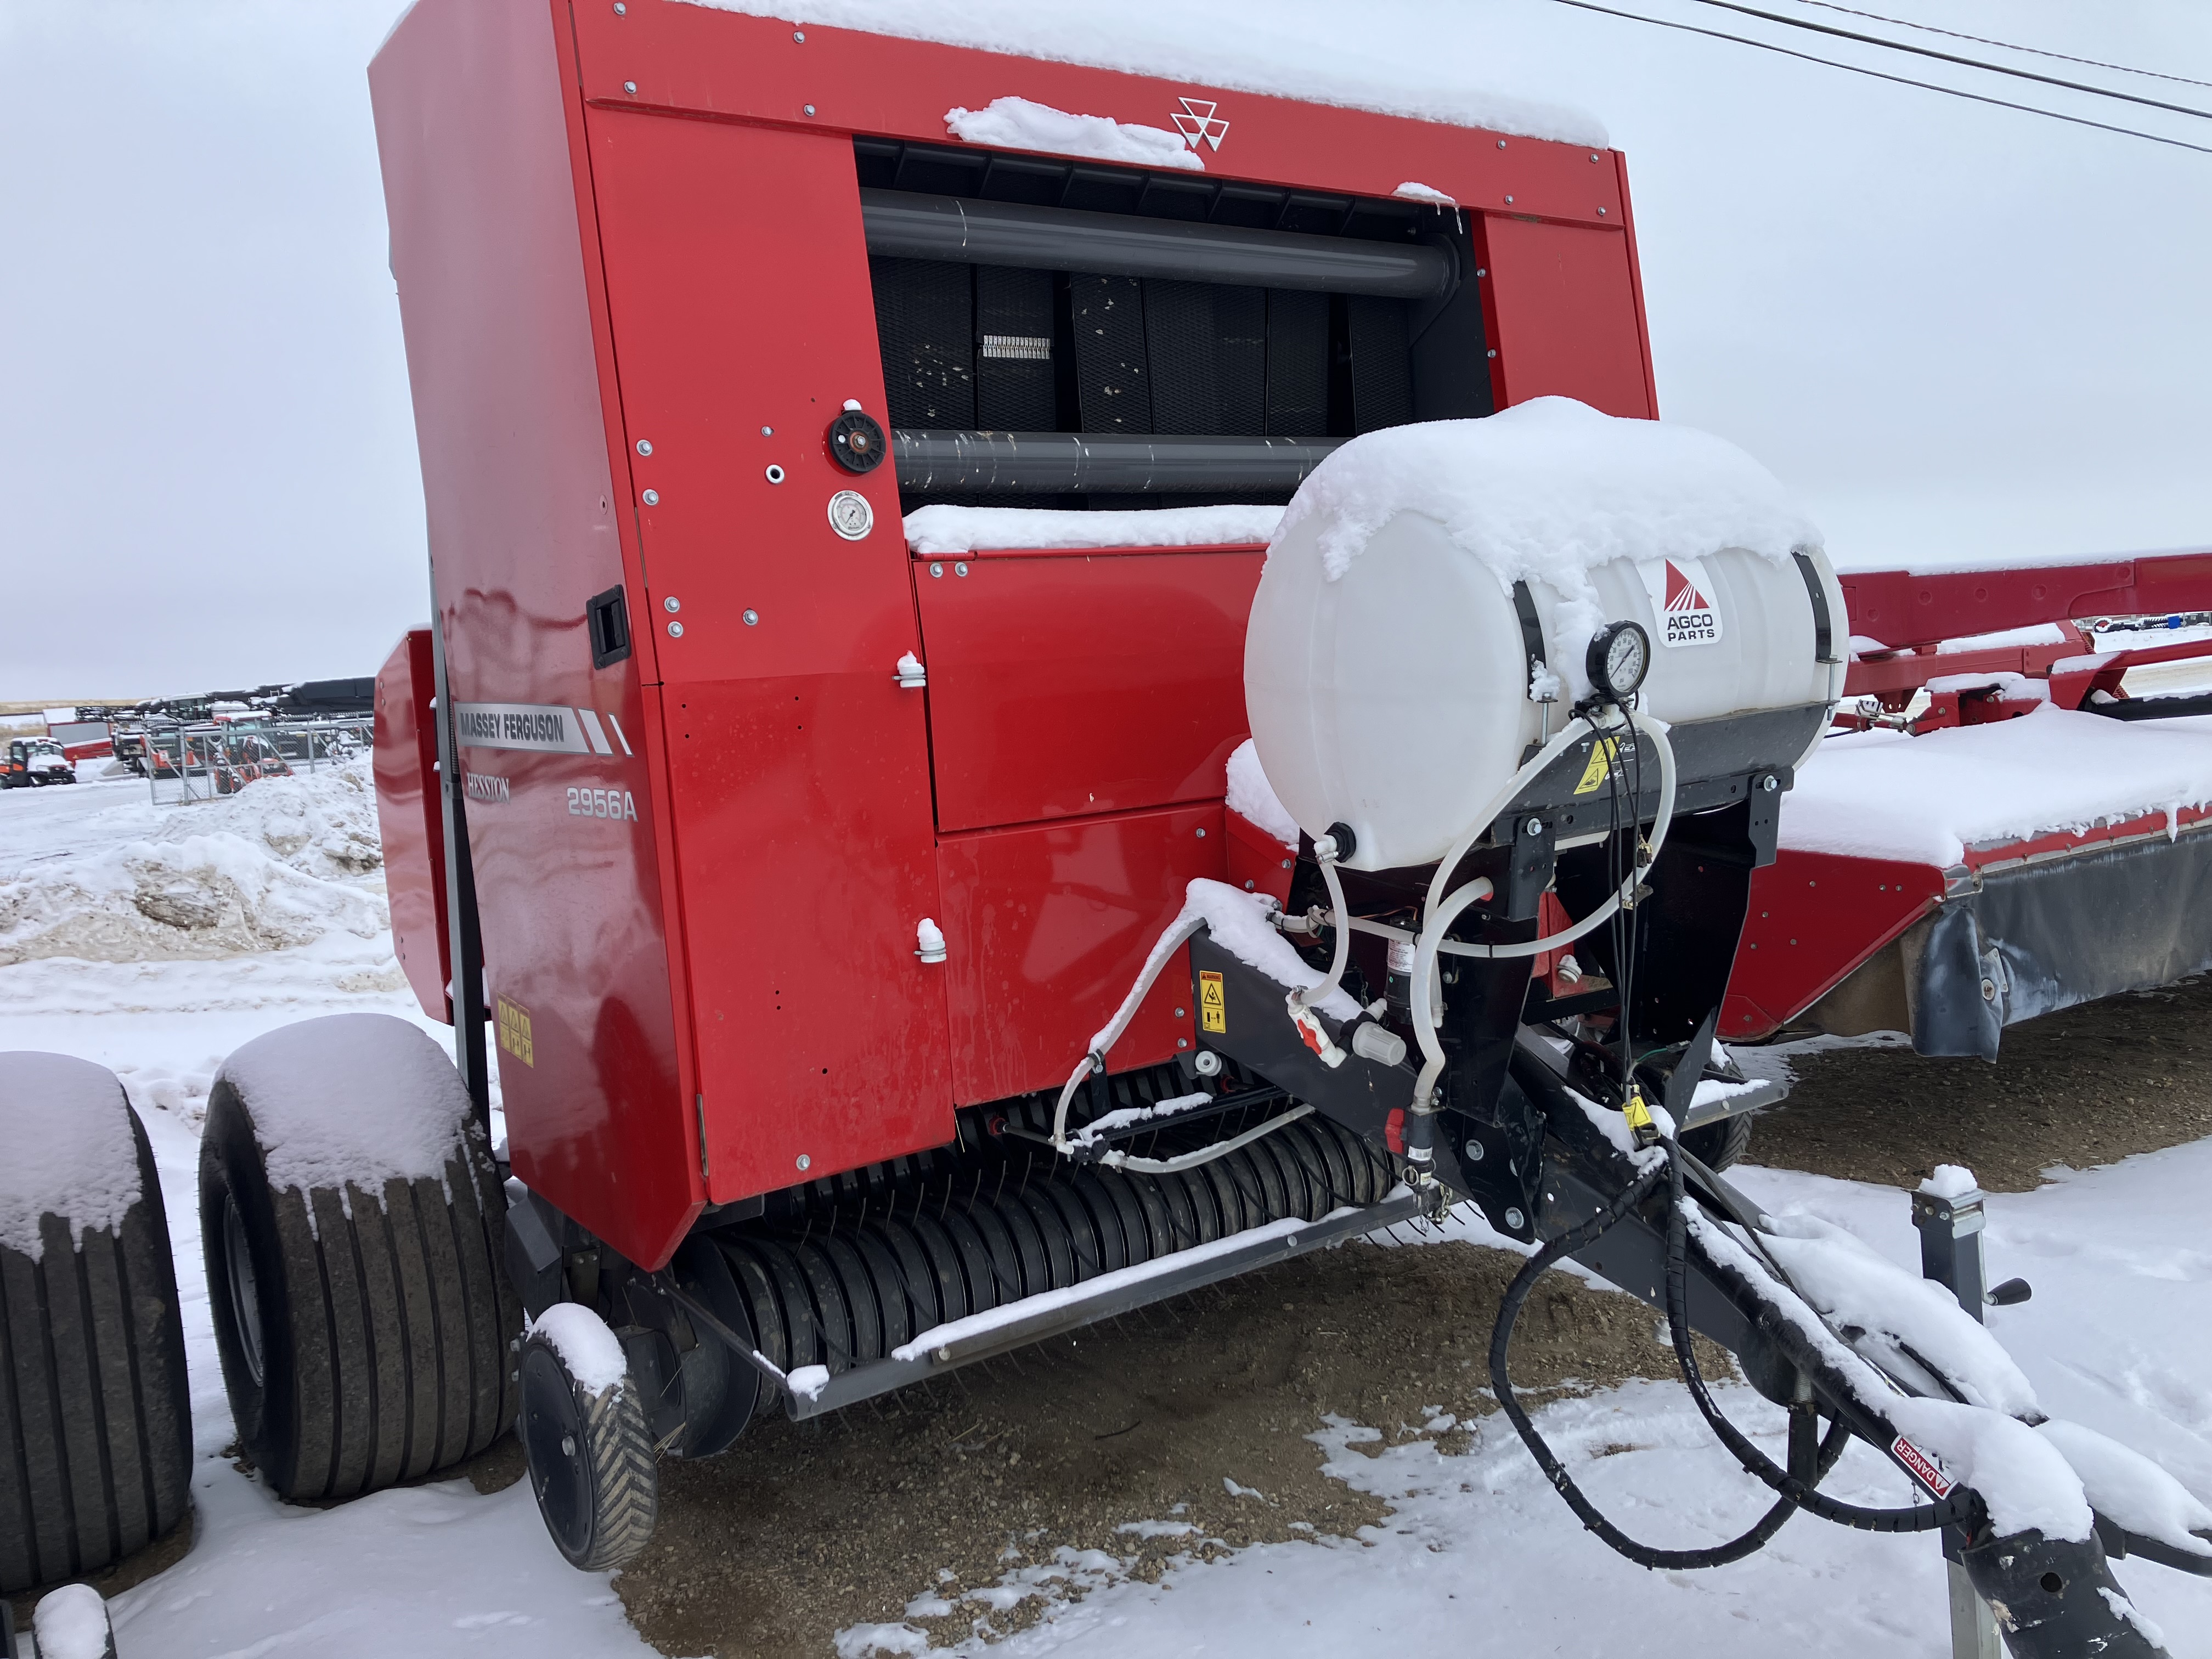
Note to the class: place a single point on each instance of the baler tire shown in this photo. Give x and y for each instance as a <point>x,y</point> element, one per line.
<point>376,1348</point>
<point>1719,1146</point>
<point>592,1466</point>
<point>97,1461</point>
<point>1158,1233</point>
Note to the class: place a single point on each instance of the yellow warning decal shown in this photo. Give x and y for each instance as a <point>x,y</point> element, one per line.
<point>514,1032</point>
<point>1605,754</point>
<point>1212,1005</point>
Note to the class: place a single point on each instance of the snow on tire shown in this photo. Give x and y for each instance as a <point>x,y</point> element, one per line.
<point>93,1401</point>
<point>591,1462</point>
<point>354,1229</point>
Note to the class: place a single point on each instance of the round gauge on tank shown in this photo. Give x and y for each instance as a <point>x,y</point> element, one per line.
<point>1619,657</point>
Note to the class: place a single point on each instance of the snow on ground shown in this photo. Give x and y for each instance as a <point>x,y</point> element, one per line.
<point>1479,1556</point>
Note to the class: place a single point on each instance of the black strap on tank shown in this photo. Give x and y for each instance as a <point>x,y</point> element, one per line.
<point>1824,633</point>
<point>1532,632</point>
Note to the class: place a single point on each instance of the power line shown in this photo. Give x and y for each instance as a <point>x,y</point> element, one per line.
<point>1985,40</point>
<point>1878,75</point>
<point>1952,58</point>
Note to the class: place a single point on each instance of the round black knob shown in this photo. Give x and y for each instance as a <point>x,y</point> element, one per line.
<point>857,443</point>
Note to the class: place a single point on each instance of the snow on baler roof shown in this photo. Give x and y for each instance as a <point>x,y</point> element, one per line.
<point>1234,57</point>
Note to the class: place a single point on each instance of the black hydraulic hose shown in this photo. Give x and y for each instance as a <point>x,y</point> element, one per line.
<point>1501,1382</point>
<point>1961,1508</point>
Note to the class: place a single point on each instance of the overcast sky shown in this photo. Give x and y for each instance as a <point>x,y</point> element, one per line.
<point>1957,332</point>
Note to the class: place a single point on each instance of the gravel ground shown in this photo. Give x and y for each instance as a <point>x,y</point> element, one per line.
<point>2084,1086</point>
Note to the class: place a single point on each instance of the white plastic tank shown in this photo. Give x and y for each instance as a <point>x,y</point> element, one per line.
<point>1386,674</point>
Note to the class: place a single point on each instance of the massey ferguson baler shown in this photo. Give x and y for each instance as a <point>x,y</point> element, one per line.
<point>1048,686</point>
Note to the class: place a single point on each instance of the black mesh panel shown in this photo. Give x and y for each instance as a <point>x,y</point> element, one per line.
<point>1112,388</point>
<point>1381,375</point>
<point>925,320</point>
<point>1013,350</point>
<point>1240,358</point>
<point>1297,364</point>
<point>1179,343</point>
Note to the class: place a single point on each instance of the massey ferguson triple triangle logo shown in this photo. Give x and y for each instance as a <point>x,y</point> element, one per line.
<point>1681,592</point>
<point>1196,121</point>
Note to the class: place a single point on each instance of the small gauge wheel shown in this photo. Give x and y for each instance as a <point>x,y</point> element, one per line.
<point>857,443</point>
<point>1619,657</point>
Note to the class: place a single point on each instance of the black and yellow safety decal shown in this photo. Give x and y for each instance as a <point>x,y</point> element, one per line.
<point>1212,1005</point>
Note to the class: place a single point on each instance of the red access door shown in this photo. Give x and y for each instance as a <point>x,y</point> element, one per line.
<point>798,769</point>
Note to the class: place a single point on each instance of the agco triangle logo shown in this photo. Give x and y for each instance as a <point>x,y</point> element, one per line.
<point>1681,592</point>
<point>1196,121</point>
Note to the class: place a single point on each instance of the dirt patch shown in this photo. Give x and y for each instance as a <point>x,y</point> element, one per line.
<point>2084,1086</point>
<point>805,1528</point>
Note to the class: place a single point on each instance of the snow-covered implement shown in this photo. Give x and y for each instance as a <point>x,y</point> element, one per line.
<point>851,464</point>
<point>1997,829</point>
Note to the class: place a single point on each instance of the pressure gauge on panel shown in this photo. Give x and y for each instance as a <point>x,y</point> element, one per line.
<point>1619,657</point>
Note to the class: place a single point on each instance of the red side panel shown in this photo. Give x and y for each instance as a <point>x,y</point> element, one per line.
<point>738,284</point>
<point>1047,927</point>
<point>407,815</point>
<point>1065,686</point>
<point>1814,918</point>
<point>526,525</point>
<point>1565,306</point>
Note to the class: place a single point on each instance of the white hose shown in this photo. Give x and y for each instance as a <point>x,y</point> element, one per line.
<point>1163,953</point>
<point>1660,825</point>
<point>1204,1154</point>
<point>1308,995</point>
<point>1480,824</point>
<point>1441,915</point>
<point>1425,967</point>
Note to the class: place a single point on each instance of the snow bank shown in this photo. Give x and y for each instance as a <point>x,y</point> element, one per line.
<point>65,1148</point>
<point>350,1097</point>
<point>1548,490</point>
<point>279,864</point>
<point>1884,795</point>
<point>1018,123</point>
<point>592,1353</point>
<point>1226,47</point>
<point>1253,797</point>
<point>953,530</point>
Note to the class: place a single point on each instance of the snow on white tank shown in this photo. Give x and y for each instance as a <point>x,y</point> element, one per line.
<point>1388,671</point>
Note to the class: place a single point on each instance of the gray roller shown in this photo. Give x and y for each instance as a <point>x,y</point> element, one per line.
<point>1074,463</point>
<point>905,225</point>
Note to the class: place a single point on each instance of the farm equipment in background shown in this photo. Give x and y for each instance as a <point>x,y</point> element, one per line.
<point>808,855</point>
<point>33,763</point>
<point>1915,898</point>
